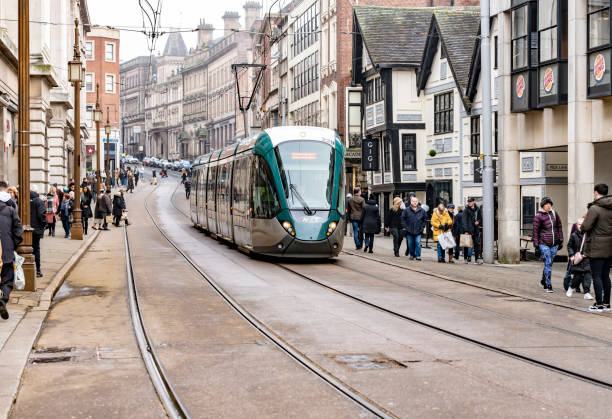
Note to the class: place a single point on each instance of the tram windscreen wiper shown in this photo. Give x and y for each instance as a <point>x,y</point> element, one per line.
<point>299,197</point>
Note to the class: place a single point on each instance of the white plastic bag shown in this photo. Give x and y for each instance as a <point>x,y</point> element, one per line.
<point>19,282</point>
<point>446,240</point>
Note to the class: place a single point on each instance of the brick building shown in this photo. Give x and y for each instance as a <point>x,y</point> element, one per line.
<point>102,69</point>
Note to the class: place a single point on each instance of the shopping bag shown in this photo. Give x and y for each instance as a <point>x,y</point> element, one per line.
<point>124,215</point>
<point>465,240</point>
<point>446,240</point>
<point>109,219</point>
<point>19,278</point>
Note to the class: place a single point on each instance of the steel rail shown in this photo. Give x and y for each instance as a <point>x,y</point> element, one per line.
<point>159,378</point>
<point>298,356</point>
<point>491,347</point>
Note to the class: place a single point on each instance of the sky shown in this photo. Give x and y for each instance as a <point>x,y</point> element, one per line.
<point>184,14</point>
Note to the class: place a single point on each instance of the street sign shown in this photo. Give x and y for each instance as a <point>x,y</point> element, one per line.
<point>369,154</point>
<point>90,149</point>
<point>112,140</point>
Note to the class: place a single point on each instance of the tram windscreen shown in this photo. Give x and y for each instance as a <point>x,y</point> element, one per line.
<point>307,171</point>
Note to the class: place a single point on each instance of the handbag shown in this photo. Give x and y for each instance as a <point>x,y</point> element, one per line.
<point>446,240</point>
<point>124,215</point>
<point>578,257</point>
<point>109,219</point>
<point>465,240</point>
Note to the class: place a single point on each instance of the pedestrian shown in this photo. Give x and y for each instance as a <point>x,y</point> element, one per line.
<point>84,183</point>
<point>598,247</point>
<point>124,208</point>
<point>187,188</point>
<point>106,208</point>
<point>154,177</point>
<point>38,221</point>
<point>86,199</point>
<point>441,223</point>
<point>118,208</point>
<point>51,205</point>
<point>393,224</point>
<point>183,175</point>
<point>471,219</point>
<point>130,182</point>
<point>14,197</point>
<point>370,223</point>
<point>547,238</point>
<point>345,216</point>
<point>11,235</point>
<point>355,209</point>
<point>413,221</point>
<point>451,213</point>
<point>136,176</point>
<point>580,266</point>
<point>457,231</point>
<point>65,212</point>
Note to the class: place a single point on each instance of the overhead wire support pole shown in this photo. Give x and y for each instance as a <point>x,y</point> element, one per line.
<point>488,173</point>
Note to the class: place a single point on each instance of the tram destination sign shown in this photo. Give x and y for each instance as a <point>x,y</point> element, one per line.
<point>370,154</point>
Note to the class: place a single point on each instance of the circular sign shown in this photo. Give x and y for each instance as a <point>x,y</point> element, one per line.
<point>549,80</point>
<point>520,86</point>
<point>599,67</point>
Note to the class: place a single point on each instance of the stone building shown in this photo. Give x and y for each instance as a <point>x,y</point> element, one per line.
<point>164,100</point>
<point>102,69</point>
<point>135,78</point>
<point>52,127</point>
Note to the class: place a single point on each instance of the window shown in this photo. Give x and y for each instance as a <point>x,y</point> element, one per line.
<point>409,152</point>
<point>598,25</point>
<point>475,136</point>
<point>89,116</point>
<point>443,113</point>
<point>524,55</point>
<point>305,29</point>
<point>89,82</point>
<point>547,27</point>
<point>265,200</point>
<point>109,52</point>
<point>495,131</point>
<point>520,37</point>
<point>306,77</point>
<point>495,51</point>
<point>375,91</point>
<point>354,118</point>
<point>552,35</point>
<point>89,50</point>
<point>387,153</point>
<point>109,83</point>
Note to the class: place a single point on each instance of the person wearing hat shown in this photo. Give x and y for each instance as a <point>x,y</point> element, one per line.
<point>471,219</point>
<point>451,213</point>
<point>548,238</point>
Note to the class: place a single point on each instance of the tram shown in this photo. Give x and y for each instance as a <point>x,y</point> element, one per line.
<point>277,193</point>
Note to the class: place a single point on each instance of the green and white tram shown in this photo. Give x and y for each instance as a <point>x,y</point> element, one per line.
<point>278,193</point>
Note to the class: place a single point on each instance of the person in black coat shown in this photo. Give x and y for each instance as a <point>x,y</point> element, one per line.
<point>38,222</point>
<point>456,230</point>
<point>471,220</point>
<point>65,212</point>
<point>413,221</point>
<point>118,207</point>
<point>11,236</point>
<point>86,213</point>
<point>370,223</point>
<point>581,271</point>
<point>393,224</point>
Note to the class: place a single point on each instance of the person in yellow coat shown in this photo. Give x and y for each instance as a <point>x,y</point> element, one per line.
<point>441,223</point>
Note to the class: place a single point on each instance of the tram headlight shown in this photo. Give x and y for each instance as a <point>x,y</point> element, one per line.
<point>331,227</point>
<point>289,227</point>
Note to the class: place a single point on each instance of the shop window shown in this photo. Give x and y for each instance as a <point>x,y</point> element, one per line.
<point>524,55</point>
<point>409,152</point>
<point>552,35</point>
<point>475,136</point>
<point>598,27</point>
<point>443,113</point>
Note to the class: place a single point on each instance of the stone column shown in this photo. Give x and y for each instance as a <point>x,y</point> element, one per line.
<point>56,137</point>
<point>580,148</point>
<point>509,189</point>
<point>39,150</point>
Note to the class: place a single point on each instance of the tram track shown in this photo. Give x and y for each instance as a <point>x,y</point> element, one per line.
<point>456,335</point>
<point>291,351</point>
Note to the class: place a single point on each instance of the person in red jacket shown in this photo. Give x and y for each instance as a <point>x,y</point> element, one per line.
<point>547,237</point>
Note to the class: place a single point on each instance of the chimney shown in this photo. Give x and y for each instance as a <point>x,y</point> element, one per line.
<point>252,13</point>
<point>231,22</point>
<point>205,34</point>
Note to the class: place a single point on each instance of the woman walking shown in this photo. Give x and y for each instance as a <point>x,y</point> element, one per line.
<point>86,198</point>
<point>370,223</point>
<point>548,238</point>
<point>14,197</point>
<point>441,223</point>
<point>130,182</point>
<point>580,265</point>
<point>65,212</point>
<point>51,206</point>
<point>118,207</point>
<point>393,224</point>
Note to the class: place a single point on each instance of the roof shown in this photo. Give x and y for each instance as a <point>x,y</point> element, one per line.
<point>459,28</point>
<point>394,35</point>
<point>175,45</point>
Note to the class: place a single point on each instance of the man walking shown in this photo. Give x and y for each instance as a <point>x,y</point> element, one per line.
<point>10,237</point>
<point>356,205</point>
<point>471,219</point>
<point>598,228</point>
<point>547,237</point>
<point>413,221</point>
<point>38,220</point>
<point>106,208</point>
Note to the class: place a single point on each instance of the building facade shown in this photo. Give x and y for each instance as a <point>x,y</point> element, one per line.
<point>102,71</point>
<point>135,77</point>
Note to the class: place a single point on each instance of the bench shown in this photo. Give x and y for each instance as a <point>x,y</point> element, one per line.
<point>525,240</point>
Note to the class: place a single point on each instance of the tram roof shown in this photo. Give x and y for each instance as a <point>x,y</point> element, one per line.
<point>290,133</point>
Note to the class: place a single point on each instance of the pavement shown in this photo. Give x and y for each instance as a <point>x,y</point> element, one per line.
<point>28,310</point>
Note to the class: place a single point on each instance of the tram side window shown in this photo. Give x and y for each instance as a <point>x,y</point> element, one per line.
<point>240,198</point>
<point>265,201</point>
<point>341,196</point>
<point>212,181</point>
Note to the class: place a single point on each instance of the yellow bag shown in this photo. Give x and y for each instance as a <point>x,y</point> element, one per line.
<point>109,219</point>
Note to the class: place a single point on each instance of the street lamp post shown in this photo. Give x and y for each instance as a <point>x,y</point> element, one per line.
<point>97,119</point>
<point>75,76</point>
<point>107,131</point>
